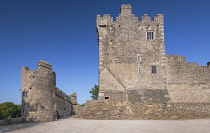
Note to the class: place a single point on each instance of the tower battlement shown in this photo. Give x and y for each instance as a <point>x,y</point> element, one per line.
<point>126,12</point>
<point>43,65</point>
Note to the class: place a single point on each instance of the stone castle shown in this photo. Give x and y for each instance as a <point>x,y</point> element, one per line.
<point>137,79</point>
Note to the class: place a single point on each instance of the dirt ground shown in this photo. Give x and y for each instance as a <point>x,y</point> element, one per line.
<point>72,125</point>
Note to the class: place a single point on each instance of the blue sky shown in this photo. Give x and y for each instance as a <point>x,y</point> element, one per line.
<point>63,33</point>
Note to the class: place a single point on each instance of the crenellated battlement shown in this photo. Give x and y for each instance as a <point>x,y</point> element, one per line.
<point>126,12</point>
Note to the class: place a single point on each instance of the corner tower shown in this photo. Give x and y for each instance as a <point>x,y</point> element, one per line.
<point>38,93</point>
<point>131,55</point>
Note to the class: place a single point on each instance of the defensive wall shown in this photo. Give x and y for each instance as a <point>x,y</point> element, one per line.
<point>187,82</point>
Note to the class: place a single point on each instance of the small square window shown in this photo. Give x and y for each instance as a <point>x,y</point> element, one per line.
<point>150,35</point>
<point>154,69</point>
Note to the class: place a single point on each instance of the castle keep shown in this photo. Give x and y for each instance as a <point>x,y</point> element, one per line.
<point>132,58</point>
<point>137,80</point>
<point>131,55</point>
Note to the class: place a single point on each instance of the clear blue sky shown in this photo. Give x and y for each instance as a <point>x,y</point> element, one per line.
<point>63,33</point>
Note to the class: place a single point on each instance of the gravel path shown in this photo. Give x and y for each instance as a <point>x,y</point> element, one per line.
<point>71,125</point>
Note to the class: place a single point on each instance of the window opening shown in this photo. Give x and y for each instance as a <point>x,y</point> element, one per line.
<point>138,58</point>
<point>139,71</point>
<point>154,69</point>
<point>150,35</point>
<point>106,97</point>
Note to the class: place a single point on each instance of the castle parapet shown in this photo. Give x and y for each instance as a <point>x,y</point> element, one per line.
<point>125,11</point>
<point>44,66</point>
<point>63,96</point>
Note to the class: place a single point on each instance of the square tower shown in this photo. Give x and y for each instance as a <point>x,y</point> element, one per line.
<point>131,55</point>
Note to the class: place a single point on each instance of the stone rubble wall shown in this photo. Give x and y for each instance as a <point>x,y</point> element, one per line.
<point>108,110</point>
<point>63,103</point>
<point>13,120</point>
<point>187,82</point>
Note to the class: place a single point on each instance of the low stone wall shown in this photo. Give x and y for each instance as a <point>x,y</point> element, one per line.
<point>105,109</point>
<point>78,110</point>
<point>108,110</point>
<point>201,107</point>
<point>14,120</point>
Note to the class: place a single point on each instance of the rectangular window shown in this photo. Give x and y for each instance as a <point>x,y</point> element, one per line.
<point>139,71</point>
<point>154,69</point>
<point>138,58</point>
<point>150,35</point>
<point>25,94</point>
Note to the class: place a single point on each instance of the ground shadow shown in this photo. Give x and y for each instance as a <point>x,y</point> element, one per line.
<point>14,127</point>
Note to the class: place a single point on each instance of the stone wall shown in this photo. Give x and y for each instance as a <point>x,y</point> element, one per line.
<point>63,104</point>
<point>127,105</point>
<point>16,120</point>
<point>108,110</point>
<point>187,82</point>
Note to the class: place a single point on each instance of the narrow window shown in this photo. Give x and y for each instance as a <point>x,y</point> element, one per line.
<point>154,69</point>
<point>138,58</point>
<point>139,71</point>
<point>106,97</point>
<point>150,35</point>
<point>26,95</point>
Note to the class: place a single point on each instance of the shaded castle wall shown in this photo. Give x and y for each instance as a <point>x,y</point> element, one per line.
<point>187,82</point>
<point>38,93</point>
<point>126,56</point>
<point>63,103</point>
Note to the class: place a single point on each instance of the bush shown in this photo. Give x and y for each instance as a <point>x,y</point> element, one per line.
<point>9,110</point>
